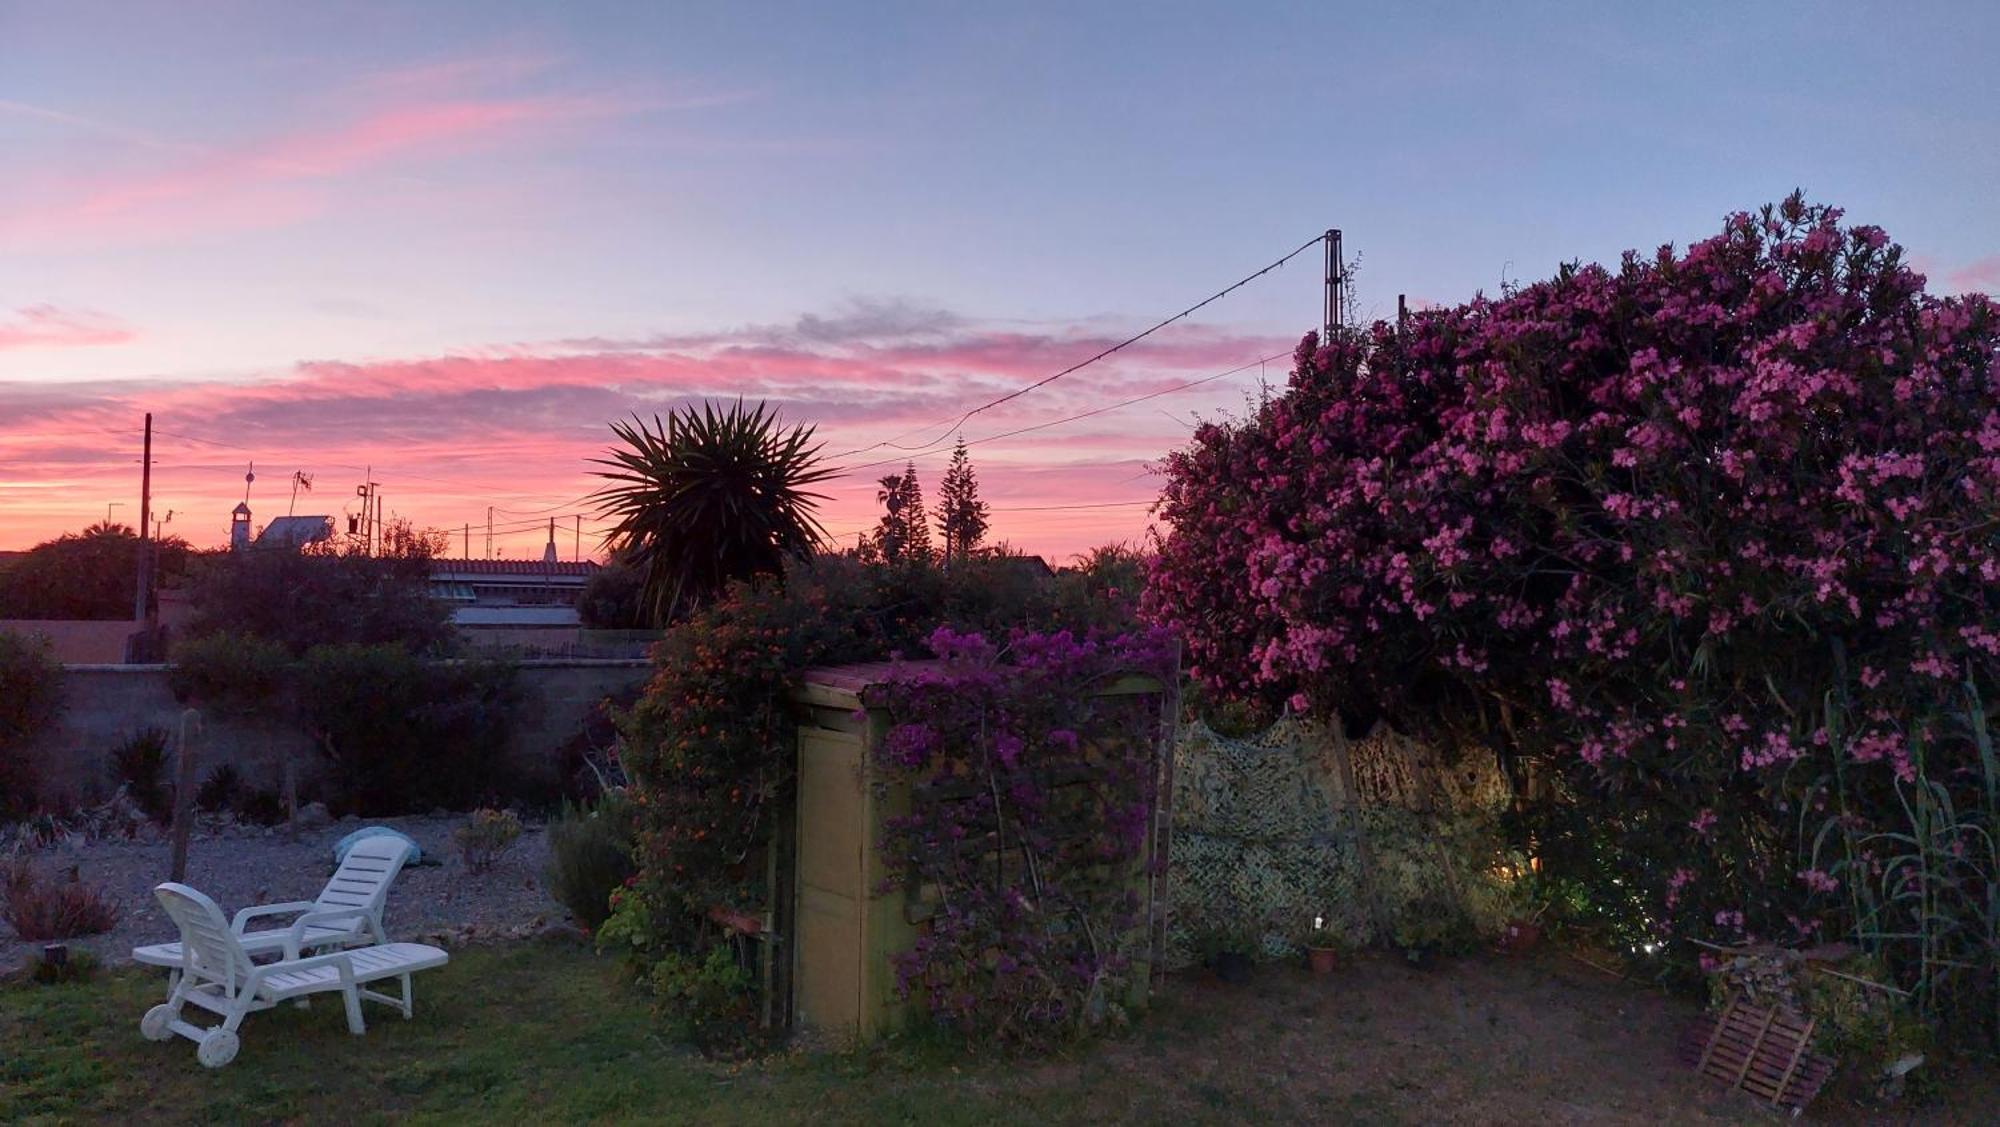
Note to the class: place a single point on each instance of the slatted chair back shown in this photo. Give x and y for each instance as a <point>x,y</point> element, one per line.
<point>365,874</point>
<point>209,950</point>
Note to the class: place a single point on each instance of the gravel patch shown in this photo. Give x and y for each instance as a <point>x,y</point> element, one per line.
<point>239,869</point>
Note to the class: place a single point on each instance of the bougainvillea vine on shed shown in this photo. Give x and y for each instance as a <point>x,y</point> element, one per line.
<point>1031,797</point>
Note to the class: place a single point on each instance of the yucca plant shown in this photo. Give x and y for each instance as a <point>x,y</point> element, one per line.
<point>707,497</point>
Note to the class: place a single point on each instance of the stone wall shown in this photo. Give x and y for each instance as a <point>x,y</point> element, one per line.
<point>105,704</point>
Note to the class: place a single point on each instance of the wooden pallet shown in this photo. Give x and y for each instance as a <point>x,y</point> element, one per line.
<point>1764,1051</point>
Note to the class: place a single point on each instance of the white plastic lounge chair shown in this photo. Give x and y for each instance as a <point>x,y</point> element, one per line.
<point>348,911</point>
<point>216,975</point>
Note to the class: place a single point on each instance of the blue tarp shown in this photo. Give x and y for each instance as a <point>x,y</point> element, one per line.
<point>341,847</point>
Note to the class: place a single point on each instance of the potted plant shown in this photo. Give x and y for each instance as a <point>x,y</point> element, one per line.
<point>1323,946</point>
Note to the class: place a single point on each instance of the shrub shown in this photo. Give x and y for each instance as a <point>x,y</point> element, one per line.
<point>40,909</point>
<point>326,596</point>
<point>1704,543</point>
<point>403,734</point>
<point>261,805</point>
<point>231,675</point>
<point>590,856</point>
<point>140,766</point>
<point>709,1000</point>
<point>486,837</point>
<point>30,699</point>
<point>220,789</point>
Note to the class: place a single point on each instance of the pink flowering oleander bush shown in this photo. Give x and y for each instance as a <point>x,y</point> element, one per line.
<point>1707,544</point>
<point>1031,799</point>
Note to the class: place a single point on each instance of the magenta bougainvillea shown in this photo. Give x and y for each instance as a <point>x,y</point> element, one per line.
<point>1708,542</point>
<point>1031,796</point>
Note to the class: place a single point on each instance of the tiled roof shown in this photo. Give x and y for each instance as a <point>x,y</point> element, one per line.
<point>512,567</point>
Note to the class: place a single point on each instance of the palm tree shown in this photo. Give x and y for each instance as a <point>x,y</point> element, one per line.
<point>707,497</point>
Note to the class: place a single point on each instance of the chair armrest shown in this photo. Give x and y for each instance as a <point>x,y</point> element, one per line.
<point>354,918</point>
<point>248,914</point>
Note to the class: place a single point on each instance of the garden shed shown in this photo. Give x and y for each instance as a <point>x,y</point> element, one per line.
<point>853,913</point>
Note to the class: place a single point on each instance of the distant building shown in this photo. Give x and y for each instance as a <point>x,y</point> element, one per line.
<point>295,532</point>
<point>528,603</point>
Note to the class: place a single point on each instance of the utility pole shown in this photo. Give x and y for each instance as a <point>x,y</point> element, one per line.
<point>140,601</point>
<point>489,532</point>
<point>1402,309</point>
<point>576,553</point>
<point>366,491</point>
<point>468,540</point>
<point>1335,275</point>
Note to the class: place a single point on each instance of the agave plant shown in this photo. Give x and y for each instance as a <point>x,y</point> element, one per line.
<point>709,496</point>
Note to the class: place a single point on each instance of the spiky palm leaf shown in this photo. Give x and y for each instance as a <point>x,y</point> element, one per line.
<point>709,496</point>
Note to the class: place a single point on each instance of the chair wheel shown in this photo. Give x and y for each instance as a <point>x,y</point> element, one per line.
<point>218,1047</point>
<point>157,1025</point>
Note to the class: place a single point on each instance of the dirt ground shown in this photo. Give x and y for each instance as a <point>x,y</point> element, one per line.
<point>1538,1038</point>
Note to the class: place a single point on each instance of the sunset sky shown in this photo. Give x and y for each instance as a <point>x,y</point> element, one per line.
<point>452,241</point>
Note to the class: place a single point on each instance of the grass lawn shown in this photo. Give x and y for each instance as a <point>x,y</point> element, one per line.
<point>530,1033</point>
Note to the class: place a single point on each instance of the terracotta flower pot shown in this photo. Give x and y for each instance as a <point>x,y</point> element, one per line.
<point>1323,959</point>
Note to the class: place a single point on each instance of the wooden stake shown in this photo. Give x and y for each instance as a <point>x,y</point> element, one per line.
<point>183,796</point>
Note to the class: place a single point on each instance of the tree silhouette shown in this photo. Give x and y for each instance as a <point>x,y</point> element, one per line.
<point>904,533</point>
<point>707,497</point>
<point>961,514</point>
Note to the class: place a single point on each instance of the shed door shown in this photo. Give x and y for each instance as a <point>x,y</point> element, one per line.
<point>832,880</point>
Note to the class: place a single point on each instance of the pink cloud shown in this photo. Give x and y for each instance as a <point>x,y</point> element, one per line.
<point>515,426</point>
<point>1981,274</point>
<point>46,326</point>
<point>275,180</point>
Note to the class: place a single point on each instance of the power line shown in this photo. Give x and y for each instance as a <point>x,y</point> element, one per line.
<point>940,447</point>
<point>1064,508</point>
<point>894,442</point>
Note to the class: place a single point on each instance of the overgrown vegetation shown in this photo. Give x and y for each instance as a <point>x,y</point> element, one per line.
<point>1031,813</point>
<point>710,745</point>
<point>88,575</point>
<point>40,909</point>
<point>324,594</point>
<point>30,700</point>
<point>399,733</point>
<point>1705,544</point>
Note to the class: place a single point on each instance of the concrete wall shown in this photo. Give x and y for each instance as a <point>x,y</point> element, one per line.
<point>105,704</point>
<point>79,641</point>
